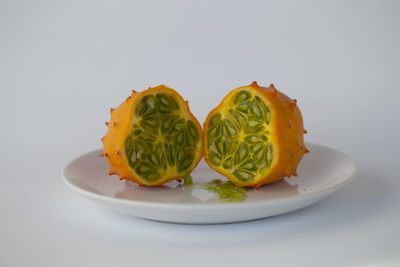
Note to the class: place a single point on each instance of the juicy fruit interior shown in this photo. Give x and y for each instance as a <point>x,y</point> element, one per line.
<point>164,140</point>
<point>238,137</point>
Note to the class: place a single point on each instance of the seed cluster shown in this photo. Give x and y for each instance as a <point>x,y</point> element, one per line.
<point>237,140</point>
<point>161,138</point>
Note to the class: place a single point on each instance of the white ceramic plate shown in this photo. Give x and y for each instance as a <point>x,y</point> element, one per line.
<point>321,172</point>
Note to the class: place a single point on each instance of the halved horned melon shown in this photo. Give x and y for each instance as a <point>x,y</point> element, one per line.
<point>254,136</point>
<point>152,138</point>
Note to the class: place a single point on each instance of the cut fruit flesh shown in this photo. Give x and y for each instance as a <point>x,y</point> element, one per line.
<point>244,137</point>
<point>159,138</point>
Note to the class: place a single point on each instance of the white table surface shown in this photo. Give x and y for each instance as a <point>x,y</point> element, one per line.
<point>64,64</point>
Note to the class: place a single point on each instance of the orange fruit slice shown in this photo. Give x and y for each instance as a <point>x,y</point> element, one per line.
<point>153,137</point>
<point>254,136</point>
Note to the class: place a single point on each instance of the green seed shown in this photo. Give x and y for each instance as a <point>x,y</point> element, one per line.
<point>243,175</point>
<point>180,124</point>
<point>256,147</point>
<point>230,128</point>
<point>242,96</point>
<point>249,165</point>
<point>255,138</point>
<point>268,117</point>
<point>242,153</point>
<point>153,176</point>
<point>227,163</point>
<point>259,155</point>
<point>149,124</point>
<point>193,131</point>
<point>214,119</point>
<point>215,131</point>
<point>141,108</point>
<point>213,148</point>
<point>179,139</point>
<point>269,153</point>
<point>128,143</point>
<point>215,159</point>
<point>164,100</point>
<point>253,125</point>
<point>220,146</point>
<point>244,107</point>
<point>256,110</point>
<point>167,123</point>
<point>170,154</point>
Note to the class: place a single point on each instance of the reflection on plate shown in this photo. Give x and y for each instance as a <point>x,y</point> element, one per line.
<point>321,172</point>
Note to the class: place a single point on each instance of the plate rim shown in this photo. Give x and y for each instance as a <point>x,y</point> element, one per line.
<point>201,206</point>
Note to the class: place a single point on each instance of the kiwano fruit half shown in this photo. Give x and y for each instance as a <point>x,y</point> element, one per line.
<point>254,136</point>
<point>152,138</point>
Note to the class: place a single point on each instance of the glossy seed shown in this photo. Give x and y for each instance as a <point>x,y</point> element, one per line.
<point>242,152</point>
<point>242,96</point>
<point>244,107</point>
<point>215,119</point>
<point>133,157</point>
<point>180,124</point>
<point>230,128</point>
<point>254,139</point>
<point>243,175</point>
<point>193,130</point>
<point>215,131</point>
<point>128,143</point>
<point>227,163</point>
<point>253,126</point>
<point>215,159</point>
<point>269,152</point>
<point>220,146</point>
<point>249,165</point>
<point>256,109</point>
<point>268,117</point>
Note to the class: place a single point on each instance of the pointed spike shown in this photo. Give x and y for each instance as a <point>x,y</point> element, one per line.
<point>305,131</point>
<point>102,155</point>
<point>102,139</point>
<point>111,110</point>
<point>107,123</point>
<point>133,92</point>
<point>294,101</point>
<point>307,151</point>
<point>272,85</point>
<point>187,102</point>
<point>254,83</point>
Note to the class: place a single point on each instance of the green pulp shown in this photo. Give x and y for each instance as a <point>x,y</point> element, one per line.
<point>226,191</point>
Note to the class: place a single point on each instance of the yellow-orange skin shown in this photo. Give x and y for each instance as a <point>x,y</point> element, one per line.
<point>118,129</point>
<point>286,130</point>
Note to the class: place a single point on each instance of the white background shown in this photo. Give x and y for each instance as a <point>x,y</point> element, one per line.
<point>64,64</point>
